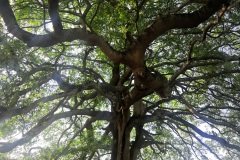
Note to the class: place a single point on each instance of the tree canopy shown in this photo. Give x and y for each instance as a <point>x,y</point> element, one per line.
<point>120,80</point>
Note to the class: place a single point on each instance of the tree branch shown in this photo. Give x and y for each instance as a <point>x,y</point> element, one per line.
<point>207,76</point>
<point>55,17</point>
<point>50,39</point>
<point>25,109</point>
<point>179,21</point>
<point>220,140</point>
<point>47,121</point>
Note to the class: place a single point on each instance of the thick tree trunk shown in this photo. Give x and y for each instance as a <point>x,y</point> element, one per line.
<point>121,136</point>
<point>122,149</point>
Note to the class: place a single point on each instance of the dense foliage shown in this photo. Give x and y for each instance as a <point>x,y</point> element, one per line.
<point>117,79</point>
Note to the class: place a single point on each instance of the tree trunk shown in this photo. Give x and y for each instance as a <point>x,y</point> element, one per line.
<point>121,136</point>
<point>122,127</point>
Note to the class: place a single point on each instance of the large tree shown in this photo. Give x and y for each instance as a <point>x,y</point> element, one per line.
<point>121,80</point>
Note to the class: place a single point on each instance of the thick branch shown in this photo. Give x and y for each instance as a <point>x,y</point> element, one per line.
<point>47,40</point>
<point>55,17</point>
<point>107,90</point>
<point>178,21</point>
<point>44,123</point>
<point>136,146</point>
<point>115,75</point>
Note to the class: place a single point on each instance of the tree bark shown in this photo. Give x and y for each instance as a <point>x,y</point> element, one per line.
<point>122,149</point>
<point>121,136</point>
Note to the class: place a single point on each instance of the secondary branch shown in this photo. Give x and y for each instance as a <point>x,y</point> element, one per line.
<point>50,39</point>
